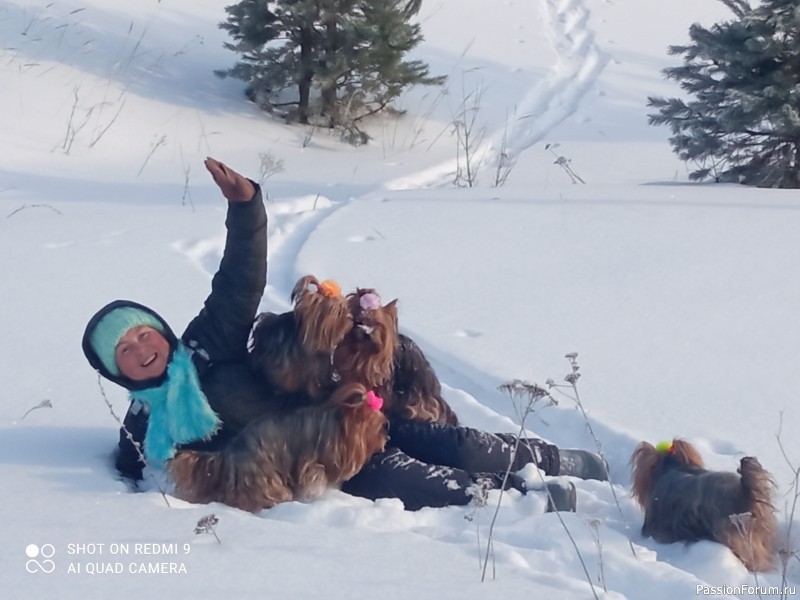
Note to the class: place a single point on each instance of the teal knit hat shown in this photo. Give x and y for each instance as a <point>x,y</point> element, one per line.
<point>110,329</point>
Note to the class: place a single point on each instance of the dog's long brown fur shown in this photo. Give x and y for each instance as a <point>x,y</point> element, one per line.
<point>374,353</point>
<point>292,351</point>
<point>292,456</point>
<point>685,502</point>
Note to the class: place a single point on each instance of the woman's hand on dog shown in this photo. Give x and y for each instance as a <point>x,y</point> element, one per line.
<point>233,186</point>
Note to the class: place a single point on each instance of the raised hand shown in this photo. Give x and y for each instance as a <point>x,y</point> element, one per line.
<point>233,186</point>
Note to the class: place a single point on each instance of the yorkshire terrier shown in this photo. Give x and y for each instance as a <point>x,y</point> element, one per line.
<point>328,339</point>
<point>685,502</point>
<point>292,351</point>
<point>295,455</point>
<point>375,354</point>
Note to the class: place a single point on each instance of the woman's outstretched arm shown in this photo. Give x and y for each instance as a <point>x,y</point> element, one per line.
<point>222,328</point>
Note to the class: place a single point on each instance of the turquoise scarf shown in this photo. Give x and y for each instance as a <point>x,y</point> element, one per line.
<point>179,410</point>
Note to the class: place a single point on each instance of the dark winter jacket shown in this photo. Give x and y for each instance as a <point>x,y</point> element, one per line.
<point>217,338</point>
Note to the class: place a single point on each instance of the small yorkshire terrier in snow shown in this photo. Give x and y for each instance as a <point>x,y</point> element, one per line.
<point>685,502</point>
<point>294,455</point>
<point>328,340</point>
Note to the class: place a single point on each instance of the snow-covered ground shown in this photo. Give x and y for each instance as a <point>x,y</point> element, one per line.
<point>681,299</point>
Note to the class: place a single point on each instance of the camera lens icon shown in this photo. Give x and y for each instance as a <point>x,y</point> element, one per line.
<point>34,564</point>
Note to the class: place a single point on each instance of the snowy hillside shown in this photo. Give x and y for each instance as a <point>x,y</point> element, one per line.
<point>680,299</point>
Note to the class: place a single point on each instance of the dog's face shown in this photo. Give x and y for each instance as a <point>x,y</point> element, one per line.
<point>366,352</point>
<point>373,324</point>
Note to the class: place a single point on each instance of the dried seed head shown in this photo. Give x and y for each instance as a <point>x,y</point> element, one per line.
<point>206,524</point>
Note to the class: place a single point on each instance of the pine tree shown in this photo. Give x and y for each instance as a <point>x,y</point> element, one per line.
<point>326,61</point>
<point>742,121</point>
<point>272,68</point>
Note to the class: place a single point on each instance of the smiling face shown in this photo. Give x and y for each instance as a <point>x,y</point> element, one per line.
<point>142,353</point>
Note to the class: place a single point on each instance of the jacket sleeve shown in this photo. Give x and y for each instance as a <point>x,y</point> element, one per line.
<point>222,328</point>
<point>128,460</point>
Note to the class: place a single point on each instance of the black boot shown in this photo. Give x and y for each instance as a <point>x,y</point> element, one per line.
<point>582,464</point>
<point>561,496</point>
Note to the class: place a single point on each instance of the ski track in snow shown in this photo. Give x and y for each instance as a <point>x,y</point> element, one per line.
<point>579,63</point>
<point>290,223</point>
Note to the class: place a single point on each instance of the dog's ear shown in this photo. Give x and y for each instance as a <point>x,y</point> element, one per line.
<point>686,454</point>
<point>645,460</point>
<point>391,309</point>
<point>301,287</point>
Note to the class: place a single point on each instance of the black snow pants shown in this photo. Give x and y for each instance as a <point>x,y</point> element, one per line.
<point>430,464</point>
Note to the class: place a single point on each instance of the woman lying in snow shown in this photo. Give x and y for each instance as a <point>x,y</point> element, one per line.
<point>198,393</point>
